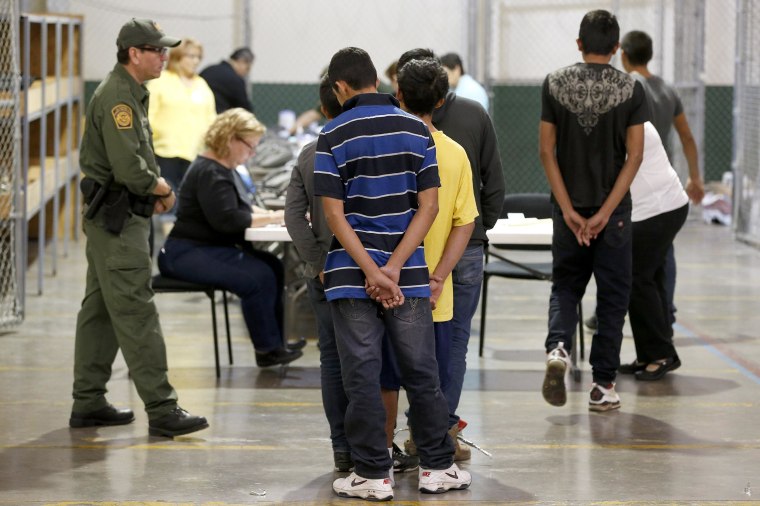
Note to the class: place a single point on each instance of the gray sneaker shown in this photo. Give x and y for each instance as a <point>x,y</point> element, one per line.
<point>557,365</point>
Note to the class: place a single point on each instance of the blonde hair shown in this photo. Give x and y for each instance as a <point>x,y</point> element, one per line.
<point>231,123</point>
<point>176,53</point>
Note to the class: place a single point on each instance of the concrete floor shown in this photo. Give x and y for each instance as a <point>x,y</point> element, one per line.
<point>690,438</point>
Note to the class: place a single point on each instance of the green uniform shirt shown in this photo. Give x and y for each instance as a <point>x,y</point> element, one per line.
<point>117,137</point>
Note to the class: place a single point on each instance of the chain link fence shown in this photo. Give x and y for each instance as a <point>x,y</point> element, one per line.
<point>510,44</point>
<point>693,40</point>
<point>10,307</point>
<point>746,162</point>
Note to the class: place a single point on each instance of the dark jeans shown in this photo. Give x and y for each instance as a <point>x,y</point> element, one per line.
<point>254,276</point>
<point>468,279</point>
<point>359,328</point>
<point>390,375</point>
<point>670,281</point>
<point>649,309</point>
<point>334,398</point>
<point>608,258</point>
<point>173,170</point>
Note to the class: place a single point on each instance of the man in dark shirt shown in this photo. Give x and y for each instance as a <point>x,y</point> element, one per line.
<point>591,144</point>
<point>227,80</point>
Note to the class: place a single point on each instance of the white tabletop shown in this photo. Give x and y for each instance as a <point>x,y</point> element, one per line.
<point>269,233</point>
<point>521,231</point>
<point>511,231</point>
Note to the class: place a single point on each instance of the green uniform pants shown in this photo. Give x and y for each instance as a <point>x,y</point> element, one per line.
<point>118,312</point>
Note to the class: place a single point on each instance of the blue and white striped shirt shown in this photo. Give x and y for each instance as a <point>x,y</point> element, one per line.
<point>375,158</point>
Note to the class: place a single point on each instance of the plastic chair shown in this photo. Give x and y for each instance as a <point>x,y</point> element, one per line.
<point>531,205</point>
<point>163,284</point>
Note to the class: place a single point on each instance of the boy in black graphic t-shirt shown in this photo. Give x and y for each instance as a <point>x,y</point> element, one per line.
<point>591,145</point>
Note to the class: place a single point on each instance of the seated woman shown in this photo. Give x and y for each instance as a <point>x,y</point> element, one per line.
<point>207,244</point>
<point>660,207</point>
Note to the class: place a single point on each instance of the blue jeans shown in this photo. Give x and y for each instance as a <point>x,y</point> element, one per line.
<point>334,398</point>
<point>390,376</point>
<point>254,276</point>
<point>608,258</point>
<point>359,328</point>
<point>468,279</point>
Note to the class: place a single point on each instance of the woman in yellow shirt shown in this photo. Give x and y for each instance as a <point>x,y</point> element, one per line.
<point>180,112</point>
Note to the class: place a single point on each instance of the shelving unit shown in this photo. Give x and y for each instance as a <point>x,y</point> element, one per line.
<point>51,105</point>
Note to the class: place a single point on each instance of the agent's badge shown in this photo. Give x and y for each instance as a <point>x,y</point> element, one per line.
<point>122,116</point>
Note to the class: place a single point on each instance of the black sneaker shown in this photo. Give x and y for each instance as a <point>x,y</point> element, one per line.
<point>176,423</point>
<point>343,462</point>
<point>591,322</point>
<point>403,463</point>
<point>108,415</point>
<point>277,357</point>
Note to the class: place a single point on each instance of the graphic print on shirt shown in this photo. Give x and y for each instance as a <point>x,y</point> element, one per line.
<point>589,93</point>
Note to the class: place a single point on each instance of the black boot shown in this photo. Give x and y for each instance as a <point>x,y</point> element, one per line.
<point>175,423</point>
<point>277,357</point>
<point>104,416</point>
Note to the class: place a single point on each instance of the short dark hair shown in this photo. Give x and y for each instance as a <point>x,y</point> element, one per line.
<point>327,98</point>
<point>451,61</point>
<point>415,54</point>
<point>354,66</point>
<point>122,55</point>
<point>242,54</point>
<point>422,84</point>
<point>638,47</point>
<point>599,32</point>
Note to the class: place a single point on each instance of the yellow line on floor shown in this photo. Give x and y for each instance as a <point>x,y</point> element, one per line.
<point>261,404</point>
<point>210,446</point>
<point>145,446</point>
<point>348,502</point>
<point>343,502</point>
<point>634,446</point>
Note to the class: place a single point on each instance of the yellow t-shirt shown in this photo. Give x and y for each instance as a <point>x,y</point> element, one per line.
<point>456,207</point>
<point>179,115</point>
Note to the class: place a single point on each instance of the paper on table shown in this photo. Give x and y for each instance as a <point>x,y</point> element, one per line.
<point>524,222</point>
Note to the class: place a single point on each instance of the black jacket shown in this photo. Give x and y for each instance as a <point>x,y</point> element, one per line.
<point>466,122</point>
<point>213,206</point>
<point>228,87</point>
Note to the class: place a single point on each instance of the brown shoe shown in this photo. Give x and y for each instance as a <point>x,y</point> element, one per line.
<point>462,452</point>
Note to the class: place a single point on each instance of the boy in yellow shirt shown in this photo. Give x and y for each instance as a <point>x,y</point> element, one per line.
<point>422,87</point>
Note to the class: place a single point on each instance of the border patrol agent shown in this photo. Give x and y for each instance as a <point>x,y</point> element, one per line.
<point>122,189</point>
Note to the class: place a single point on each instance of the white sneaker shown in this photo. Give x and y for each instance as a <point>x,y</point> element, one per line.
<point>557,365</point>
<point>364,488</point>
<point>434,481</point>
<point>603,399</point>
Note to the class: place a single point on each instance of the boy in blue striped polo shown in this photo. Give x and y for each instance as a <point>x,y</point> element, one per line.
<point>376,172</point>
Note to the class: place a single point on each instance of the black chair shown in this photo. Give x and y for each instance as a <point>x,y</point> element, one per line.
<point>163,284</point>
<point>531,205</point>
